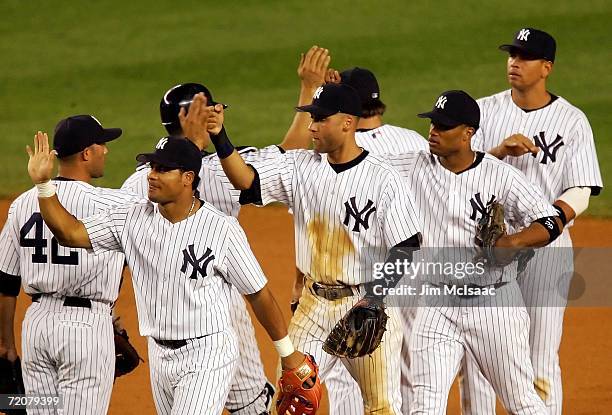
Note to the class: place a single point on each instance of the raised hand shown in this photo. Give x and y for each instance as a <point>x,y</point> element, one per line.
<point>517,145</point>
<point>313,67</point>
<point>215,120</point>
<point>40,165</point>
<point>332,76</point>
<point>195,121</point>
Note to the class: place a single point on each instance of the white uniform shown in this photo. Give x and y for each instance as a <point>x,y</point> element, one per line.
<point>67,332</point>
<point>567,158</point>
<point>345,221</point>
<point>343,391</point>
<point>182,274</point>
<point>481,326</point>
<point>250,394</point>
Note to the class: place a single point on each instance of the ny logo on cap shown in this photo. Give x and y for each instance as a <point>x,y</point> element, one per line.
<point>161,143</point>
<point>317,93</point>
<point>523,34</point>
<point>197,264</point>
<point>441,102</point>
<point>361,216</point>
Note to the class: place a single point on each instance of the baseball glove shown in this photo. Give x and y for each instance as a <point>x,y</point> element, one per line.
<point>11,382</point>
<point>126,356</point>
<point>360,331</point>
<point>299,389</point>
<point>489,229</point>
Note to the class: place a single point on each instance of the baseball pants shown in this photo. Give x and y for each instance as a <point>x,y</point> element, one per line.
<point>194,379</point>
<point>69,352</point>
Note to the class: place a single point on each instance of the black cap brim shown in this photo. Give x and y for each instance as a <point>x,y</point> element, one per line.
<point>438,118</point>
<point>316,111</point>
<point>157,159</point>
<point>521,50</point>
<point>109,134</point>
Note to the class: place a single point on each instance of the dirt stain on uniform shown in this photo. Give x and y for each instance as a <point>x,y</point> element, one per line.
<point>542,387</point>
<point>330,244</point>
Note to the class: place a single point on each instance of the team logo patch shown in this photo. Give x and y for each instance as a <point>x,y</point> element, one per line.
<point>197,264</point>
<point>361,216</point>
<point>548,149</point>
<point>523,35</point>
<point>161,143</point>
<point>478,206</point>
<point>317,93</point>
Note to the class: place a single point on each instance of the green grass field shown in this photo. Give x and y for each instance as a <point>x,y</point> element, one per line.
<point>115,59</point>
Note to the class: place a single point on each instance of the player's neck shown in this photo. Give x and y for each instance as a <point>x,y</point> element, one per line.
<point>74,172</point>
<point>531,98</point>
<point>458,162</point>
<point>349,151</point>
<point>179,209</point>
<point>369,123</point>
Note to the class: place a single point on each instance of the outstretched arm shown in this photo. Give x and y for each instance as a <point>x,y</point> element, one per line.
<point>311,70</point>
<point>66,228</point>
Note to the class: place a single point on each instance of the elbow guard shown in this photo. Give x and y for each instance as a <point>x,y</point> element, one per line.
<point>551,225</point>
<point>577,198</point>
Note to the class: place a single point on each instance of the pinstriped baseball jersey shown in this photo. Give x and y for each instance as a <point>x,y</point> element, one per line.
<point>451,204</point>
<point>180,271</point>
<point>567,156</point>
<point>214,186</point>
<point>344,221</point>
<point>28,248</point>
<point>390,139</point>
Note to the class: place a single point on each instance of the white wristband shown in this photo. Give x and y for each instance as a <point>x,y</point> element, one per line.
<point>46,189</point>
<point>284,346</point>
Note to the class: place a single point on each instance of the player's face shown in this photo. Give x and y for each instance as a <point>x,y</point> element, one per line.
<point>524,72</point>
<point>445,140</point>
<point>97,154</point>
<point>165,184</point>
<point>327,133</point>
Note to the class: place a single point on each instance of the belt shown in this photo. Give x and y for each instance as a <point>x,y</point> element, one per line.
<point>334,292</point>
<point>174,344</point>
<point>68,301</point>
<point>474,286</point>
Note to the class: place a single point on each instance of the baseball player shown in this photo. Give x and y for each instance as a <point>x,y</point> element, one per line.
<point>551,142</point>
<point>376,137</point>
<point>349,210</point>
<point>250,392</point>
<point>67,332</point>
<point>183,255</point>
<point>453,188</point>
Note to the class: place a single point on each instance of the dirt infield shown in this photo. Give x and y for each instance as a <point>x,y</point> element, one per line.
<point>585,351</point>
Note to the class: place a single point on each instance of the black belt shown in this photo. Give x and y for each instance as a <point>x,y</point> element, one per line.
<point>332,292</point>
<point>68,301</point>
<point>474,286</point>
<point>174,344</point>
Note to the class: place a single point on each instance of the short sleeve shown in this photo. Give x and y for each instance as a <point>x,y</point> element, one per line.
<point>105,229</point>
<point>525,202</point>
<point>276,172</point>
<point>138,182</point>
<point>398,214</point>
<point>242,269</point>
<point>9,244</point>
<point>582,166</point>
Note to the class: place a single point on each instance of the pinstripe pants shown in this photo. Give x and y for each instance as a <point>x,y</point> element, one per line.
<point>493,334</point>
<point>70,352</point>
<point>193,379</point>
<point>378,375</point>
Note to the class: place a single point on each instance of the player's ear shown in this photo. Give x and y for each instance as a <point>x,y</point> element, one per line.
<point>188,178</point>
<point>547,67</point>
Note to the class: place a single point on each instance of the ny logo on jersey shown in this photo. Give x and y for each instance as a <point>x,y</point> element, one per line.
<point>441,102</point>
<point>317,93</point>
<point>478,206</point>
<point>198,264</point>
<point>549,150</point>
<point>523,34</point>
<point>161,143</point>
<point>361,216</point>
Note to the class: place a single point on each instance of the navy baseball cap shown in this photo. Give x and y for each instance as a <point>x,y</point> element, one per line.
<point>174,153</point>
<point>453,108</point>
<point>331,99</point>
<point>76,133</point>
<point>364,82</point>
<point>533,44</point>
